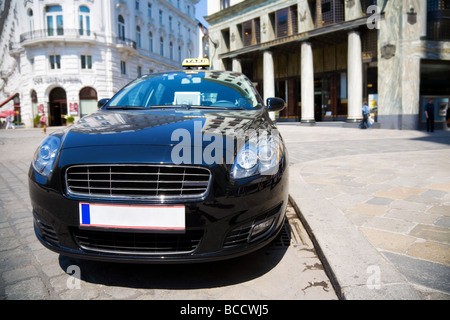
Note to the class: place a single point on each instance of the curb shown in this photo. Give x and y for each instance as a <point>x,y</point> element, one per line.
<point>356,269</point>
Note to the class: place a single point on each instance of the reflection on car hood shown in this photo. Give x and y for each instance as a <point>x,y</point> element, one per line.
<point>155,127</point>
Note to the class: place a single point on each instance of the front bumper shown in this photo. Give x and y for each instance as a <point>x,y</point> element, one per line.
<point>221,226</point>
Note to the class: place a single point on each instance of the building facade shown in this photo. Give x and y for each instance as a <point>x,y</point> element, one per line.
<point>326,57</point>
<point>61,57</point>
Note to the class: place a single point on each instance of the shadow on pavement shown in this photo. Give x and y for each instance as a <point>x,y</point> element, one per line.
<point>442,137</point>
<point>179,276</point>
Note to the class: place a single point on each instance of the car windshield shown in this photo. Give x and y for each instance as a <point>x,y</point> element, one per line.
<point>188,89</point>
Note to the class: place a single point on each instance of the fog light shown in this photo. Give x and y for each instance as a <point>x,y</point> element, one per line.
<point>261,227</point>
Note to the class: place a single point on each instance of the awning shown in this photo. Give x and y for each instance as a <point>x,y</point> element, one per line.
<point>9,99</point>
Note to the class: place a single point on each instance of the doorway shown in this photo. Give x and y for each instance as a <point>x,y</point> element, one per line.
<point>288,90</point>
<point>57,107</point>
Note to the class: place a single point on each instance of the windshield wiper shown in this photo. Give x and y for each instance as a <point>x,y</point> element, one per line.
<point>125,108</point>
<point>171,106</point>
<point>218,108</point>
<point>186,106</point>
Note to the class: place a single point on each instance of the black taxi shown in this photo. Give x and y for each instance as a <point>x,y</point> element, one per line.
<point>180,166</point>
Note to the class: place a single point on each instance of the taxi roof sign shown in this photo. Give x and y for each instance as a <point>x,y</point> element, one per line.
<point>195,62</point>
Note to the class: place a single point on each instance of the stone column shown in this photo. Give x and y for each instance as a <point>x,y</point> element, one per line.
<point>236,65</point>
<point>354,76</point>
<point>307,83</point>
<point>269,78</point>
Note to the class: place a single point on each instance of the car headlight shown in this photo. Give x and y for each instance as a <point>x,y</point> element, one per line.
<point>262,157</point>
<point>45,156</point>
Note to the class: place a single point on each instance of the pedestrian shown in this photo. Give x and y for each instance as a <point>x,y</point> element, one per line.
<point>429,114</point>
<point>366,114</point>
<point>9,123</point>
<point>43,121</point>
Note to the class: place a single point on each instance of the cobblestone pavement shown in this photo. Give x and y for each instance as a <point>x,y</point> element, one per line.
<point>287,269</point>
<point>393,186</point>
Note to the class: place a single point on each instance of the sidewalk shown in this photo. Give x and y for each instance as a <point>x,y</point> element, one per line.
<point>377,206</point>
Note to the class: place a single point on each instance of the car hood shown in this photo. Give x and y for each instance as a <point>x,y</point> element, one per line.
<point>161,127</point>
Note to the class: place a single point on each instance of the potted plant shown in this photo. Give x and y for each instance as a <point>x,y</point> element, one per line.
<point>69,120</point>
<point>36,121</point>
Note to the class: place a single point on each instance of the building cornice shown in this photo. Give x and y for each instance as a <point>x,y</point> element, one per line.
<point>299,37</point>
<point>238,8</point>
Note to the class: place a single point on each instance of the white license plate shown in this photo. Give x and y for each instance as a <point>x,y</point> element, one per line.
<point>158,218</point>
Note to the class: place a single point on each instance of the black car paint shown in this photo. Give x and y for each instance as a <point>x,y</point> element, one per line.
<point>143,138</point>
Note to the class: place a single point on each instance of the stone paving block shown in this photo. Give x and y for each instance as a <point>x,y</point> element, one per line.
<point>390,225</point>
<point>409,205</point>
<point>369,209</point>
<point>432,251</point>
<point>440,209</point>
<point>388,240</point>
<point>442,186</point>
<point>412,216</point>
<point>422,198</point>
<point>434,194</point>
<point>9,244</point>
<point>30,289</point>
<point>379,201</point>
<point>422,272</point>
<point>15,275</point>
<point>432,233</point>
<point>399,192</point>
<point>357,218</point>
<point>443,222</point>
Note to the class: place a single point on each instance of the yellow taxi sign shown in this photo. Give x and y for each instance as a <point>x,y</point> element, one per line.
<point>195,62</point>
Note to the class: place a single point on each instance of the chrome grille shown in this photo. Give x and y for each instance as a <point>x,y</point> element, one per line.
<point>124,181</point>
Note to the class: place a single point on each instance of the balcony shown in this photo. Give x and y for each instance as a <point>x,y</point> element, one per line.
<point>125,44</point>
<point>57,35</point>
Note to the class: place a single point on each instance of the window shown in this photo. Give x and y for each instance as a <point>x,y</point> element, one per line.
<point>171,50</point>
<point>150,41</point>
<point>121,26</point>
<point>150,90</point>
<point>251,32</point>
<point>86,62</point>
<point>224,4</point>
<point>30,21</point>
<point>84,21</point>
<point>54,19</point>
<point>139,71</point>
<point>286,22</point>
<point>161,46</point>
<point>438,20</point>
<point>123,67</point>
<point>179,54</point>
<point>138,36</point>
<point>88,101</point>
<point>149,10</point>
<point>170,23</point>
<point>332,12</point>
<point>55,62</point>
<point>160,17</point>
<point>226,36</point>
<point>136,4</point>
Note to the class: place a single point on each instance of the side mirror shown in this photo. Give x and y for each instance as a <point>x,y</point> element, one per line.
<point>275,104</point>
<point>102,102</point>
